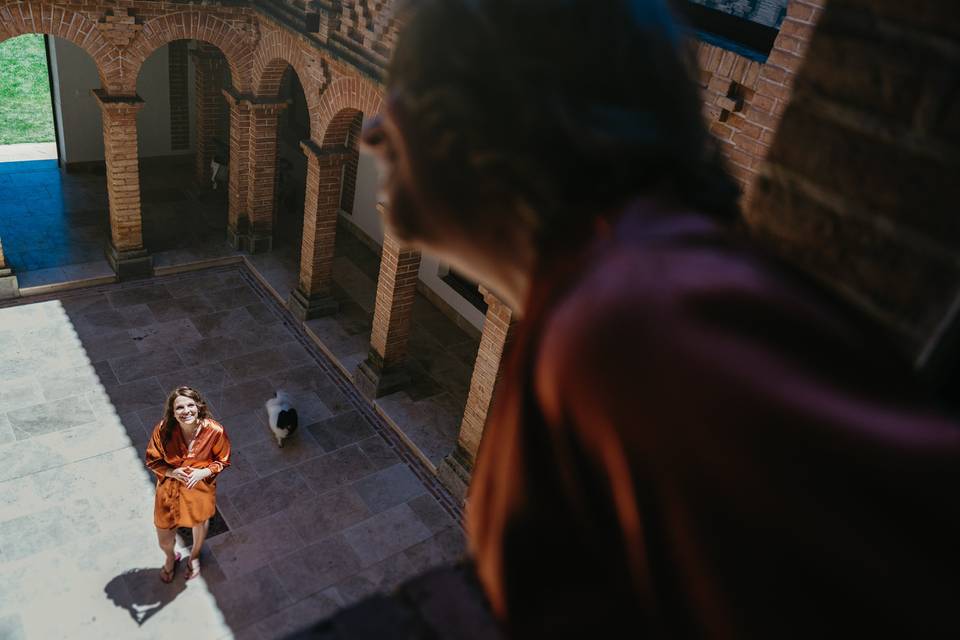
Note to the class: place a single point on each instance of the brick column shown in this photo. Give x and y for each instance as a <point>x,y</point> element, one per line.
<point>312,298</point>
<point>238,219</point>
<point>382,372</point>
<point>454,471</point>
<point>177,72</point>
<point>9,288</point>
<point>262,168</point>
<point>208,69</point>
<point>125,249</point>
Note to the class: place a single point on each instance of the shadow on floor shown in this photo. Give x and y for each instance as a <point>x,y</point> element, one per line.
<point>142,593</point>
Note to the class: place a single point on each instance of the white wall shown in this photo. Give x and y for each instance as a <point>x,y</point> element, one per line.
<point>81,130</point>
<point>366,217</point>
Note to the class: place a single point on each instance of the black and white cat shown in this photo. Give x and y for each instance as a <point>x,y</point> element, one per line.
<point>283,417</point>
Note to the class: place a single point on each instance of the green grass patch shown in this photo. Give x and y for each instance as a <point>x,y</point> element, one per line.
<point>25,111</point>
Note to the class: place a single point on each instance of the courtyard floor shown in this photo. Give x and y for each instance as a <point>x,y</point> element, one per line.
<point>344,509</point>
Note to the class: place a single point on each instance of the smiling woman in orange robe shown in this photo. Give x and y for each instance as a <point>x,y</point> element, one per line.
<point>187,450</point>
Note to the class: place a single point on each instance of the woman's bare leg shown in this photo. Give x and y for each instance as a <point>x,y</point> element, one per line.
<point>167,539</point>
<point>199,535</point>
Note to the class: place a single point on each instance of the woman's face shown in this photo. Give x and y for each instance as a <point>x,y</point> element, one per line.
<point>186,411</point>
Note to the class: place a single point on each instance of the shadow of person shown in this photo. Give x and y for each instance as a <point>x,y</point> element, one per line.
<point>141,592</point>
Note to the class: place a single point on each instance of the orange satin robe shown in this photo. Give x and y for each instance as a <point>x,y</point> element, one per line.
<point>175,505</point>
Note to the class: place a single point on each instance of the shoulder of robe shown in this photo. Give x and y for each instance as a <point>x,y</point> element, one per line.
<point>213,424</point>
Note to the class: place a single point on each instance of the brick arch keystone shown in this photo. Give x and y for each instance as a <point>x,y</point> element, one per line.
<point>191,25</point>
<point>19,18</point>
<point>342,99</point>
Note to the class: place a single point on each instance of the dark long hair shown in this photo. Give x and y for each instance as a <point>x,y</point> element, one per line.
<point>561,106</point>
<point>169,420</point>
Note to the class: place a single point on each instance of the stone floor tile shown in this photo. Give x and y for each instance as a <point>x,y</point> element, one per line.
<point>138,295</point>
<point>40,277</point>
<point>243,549</point>
<point>244,397</point>
<point>163,335</point>
<point>322,516</point>
<point>138,396</point>
<point>238,473</point>
<point>380,454</point>
<point>266,496</point>
<point>259,595</point>
<point>425,555</point>
<point>336,469</point>
<point>230,297</point>
<point>341,430</point>
<point>247,428</point>
<point>11,628</point>
<point>207,350</point>
<point>27,535</point>
<point>255,364</point>
<point>146,365</point>
<point>298,616</point>
<point>208,379</point>
<point>268,458</point>
<point>114,344</point>
<point>16,393</point>
<point>382,577</point>
<point>386,534</point>
<point>221,323</point>
<point>6,431</point>
<point>435,517</point>
<point>180,307</point>
<point>317,566</point>
<point>389,487</point>
<point>63,383</point>
<point>50,416</point>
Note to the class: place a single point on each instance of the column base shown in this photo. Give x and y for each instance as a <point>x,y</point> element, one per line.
<point>454,473</point>
<point>130,264</point>
<point>374,380</point>
<point>251,242</point>
<point>259,242</point>
<point>9,287</point>
<point>236,238</point>
<point>306,307</point>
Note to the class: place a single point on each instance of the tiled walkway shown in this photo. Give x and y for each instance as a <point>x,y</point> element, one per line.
<point>342,510</point>
<point>54,225</point>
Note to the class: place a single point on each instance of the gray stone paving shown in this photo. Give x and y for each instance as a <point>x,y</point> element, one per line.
<point>335,515</point>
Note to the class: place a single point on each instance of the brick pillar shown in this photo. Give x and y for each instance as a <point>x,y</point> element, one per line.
<point>9,288</point>
<point>382,372</point>
<point>312,298</point>
<point>262,168</point>
<point>208,70</point>
<point>179,109</point>
<point>125,249</point>
<point>455,469</point>
<point>238,219</point>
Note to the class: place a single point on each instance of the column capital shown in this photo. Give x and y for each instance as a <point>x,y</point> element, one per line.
<point>118,104</point>
<point>252,102</point>
<point>333,154</point>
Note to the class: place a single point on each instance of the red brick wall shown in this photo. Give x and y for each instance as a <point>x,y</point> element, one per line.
<point>861,186</point>
<point>179,107</point>
<point>743,100</point>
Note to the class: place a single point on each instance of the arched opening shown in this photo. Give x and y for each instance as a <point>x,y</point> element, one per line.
<point>183,145</point>
<point>54,216</point>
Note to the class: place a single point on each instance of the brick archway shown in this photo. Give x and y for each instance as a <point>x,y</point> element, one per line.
<point>276,52</point>
<point>19,18</point>
<point>190,25</point>
<point>345,95</point>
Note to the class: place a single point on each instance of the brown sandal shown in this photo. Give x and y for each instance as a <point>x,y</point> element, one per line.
<point>191,571</point>
<point>167,576</point>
